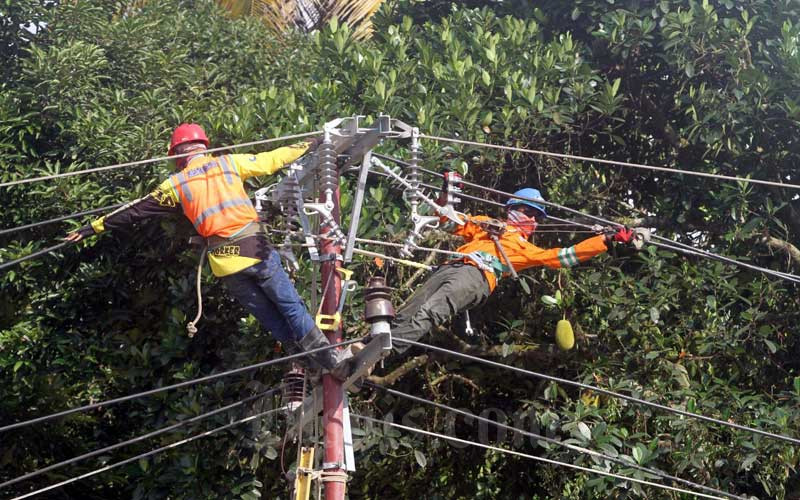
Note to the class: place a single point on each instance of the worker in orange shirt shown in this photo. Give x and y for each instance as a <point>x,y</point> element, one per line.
<point>209,190</point>
<point>491,246</point>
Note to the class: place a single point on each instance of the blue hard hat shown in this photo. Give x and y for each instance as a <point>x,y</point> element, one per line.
<point>528,193</point>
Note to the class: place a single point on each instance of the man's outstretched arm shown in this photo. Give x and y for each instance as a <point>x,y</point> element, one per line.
<point>269,162</point>
<point>574,255</point>
<point>162,201</point>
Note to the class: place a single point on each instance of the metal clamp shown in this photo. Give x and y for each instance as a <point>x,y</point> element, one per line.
<point>421,222</point>
<point>332,322</point>
<point>444,211</point>
<point>327,221</point>
<point>641,236</point>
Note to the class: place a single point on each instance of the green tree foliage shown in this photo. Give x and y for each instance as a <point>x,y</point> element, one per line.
<point>702,86</point>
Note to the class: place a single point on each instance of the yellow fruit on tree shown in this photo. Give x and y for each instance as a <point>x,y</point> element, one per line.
<point>564,336</point>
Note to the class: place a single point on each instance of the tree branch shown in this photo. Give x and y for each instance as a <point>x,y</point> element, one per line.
<point>782,245</point>
<point>419,272</point>
<point>455,376</point>
<point>400,371</point>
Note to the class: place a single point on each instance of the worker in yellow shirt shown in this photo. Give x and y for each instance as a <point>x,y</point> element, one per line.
<point>209,190</point>
<point>491,246</point>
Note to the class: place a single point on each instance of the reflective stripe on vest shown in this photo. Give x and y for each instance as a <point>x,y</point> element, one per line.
<point>219,208</point>
<point>229,172</point>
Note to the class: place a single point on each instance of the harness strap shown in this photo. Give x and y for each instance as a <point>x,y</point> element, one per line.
<point>489,263</point>
<point>250,229</point>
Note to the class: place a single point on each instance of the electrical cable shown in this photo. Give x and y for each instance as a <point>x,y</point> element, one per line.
<point>676,246</point>
<point>11,263</point>
<point>175,386</point>
<point>59,219</point>
<point>610,162</point>
<point>778,274</point>
<point>137,439</point>
<point>579,449</point>
<point>149,453</point>
<point>532,457</point>
<point>607,392</point>
<point>666,243</point>
<point>158,159</point>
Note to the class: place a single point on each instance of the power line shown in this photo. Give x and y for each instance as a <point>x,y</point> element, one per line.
<point>580,449</point>
<point>665,242</point>
<point>11,263</point>
<point>59,219</point>
<point>149,453</point>
<point>607,392</point>
<point>778,274</point>
<point>155,160</point>
<point>138,438</point>
<point>186,383</point>
<point>532,457</point>
<point>676,246</point>
<point>611,162</point>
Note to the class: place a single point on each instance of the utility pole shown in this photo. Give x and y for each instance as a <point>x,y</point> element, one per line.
<point>333,393</point>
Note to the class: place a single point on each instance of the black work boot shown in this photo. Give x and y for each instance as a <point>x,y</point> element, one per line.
<point>334,361</point>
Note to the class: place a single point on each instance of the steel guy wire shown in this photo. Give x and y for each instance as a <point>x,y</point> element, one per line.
<point>711,255</point>
<point>138,438</point>
<point>186,383</point>
<point>59,219</point>
<point>690,250</point>
<point>532,457</point>
<point>600,390</point>
<point>579,449</point>
<point>158,159</point>
<point>789,277</point>
<point>601,220</point>
<point>611,162</point>
<point>150,453</point>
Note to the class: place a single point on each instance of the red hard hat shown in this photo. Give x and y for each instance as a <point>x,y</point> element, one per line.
<point>187,132</point>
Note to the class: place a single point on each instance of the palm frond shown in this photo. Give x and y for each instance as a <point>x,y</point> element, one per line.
<point>308,15</point>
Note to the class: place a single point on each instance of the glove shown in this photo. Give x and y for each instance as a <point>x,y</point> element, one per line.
<point>618,235</point>
<point>313,143</point>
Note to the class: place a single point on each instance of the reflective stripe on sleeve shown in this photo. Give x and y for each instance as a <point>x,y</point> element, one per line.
<point>567,257</point>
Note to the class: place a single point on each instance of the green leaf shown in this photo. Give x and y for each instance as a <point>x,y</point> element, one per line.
<point>771,346</point>
<point>654,315</point>
<point>615,87</point>
<point>585,431</point>
<point>637,453</point>
<point>549,300</point>
<point>420,457</point>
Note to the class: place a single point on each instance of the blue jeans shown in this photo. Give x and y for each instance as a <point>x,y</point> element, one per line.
<point>265,290</point>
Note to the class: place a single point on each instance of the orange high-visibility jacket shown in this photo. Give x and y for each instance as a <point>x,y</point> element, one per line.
<point>522,253</point>
<point>212,196</point>
<point>210,192</point>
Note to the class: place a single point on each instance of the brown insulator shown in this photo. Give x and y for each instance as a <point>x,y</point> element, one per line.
<point>377,298</point>
<point>292,391</point>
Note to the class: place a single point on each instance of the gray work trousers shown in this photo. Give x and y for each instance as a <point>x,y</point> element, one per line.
<point>453,288</point>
